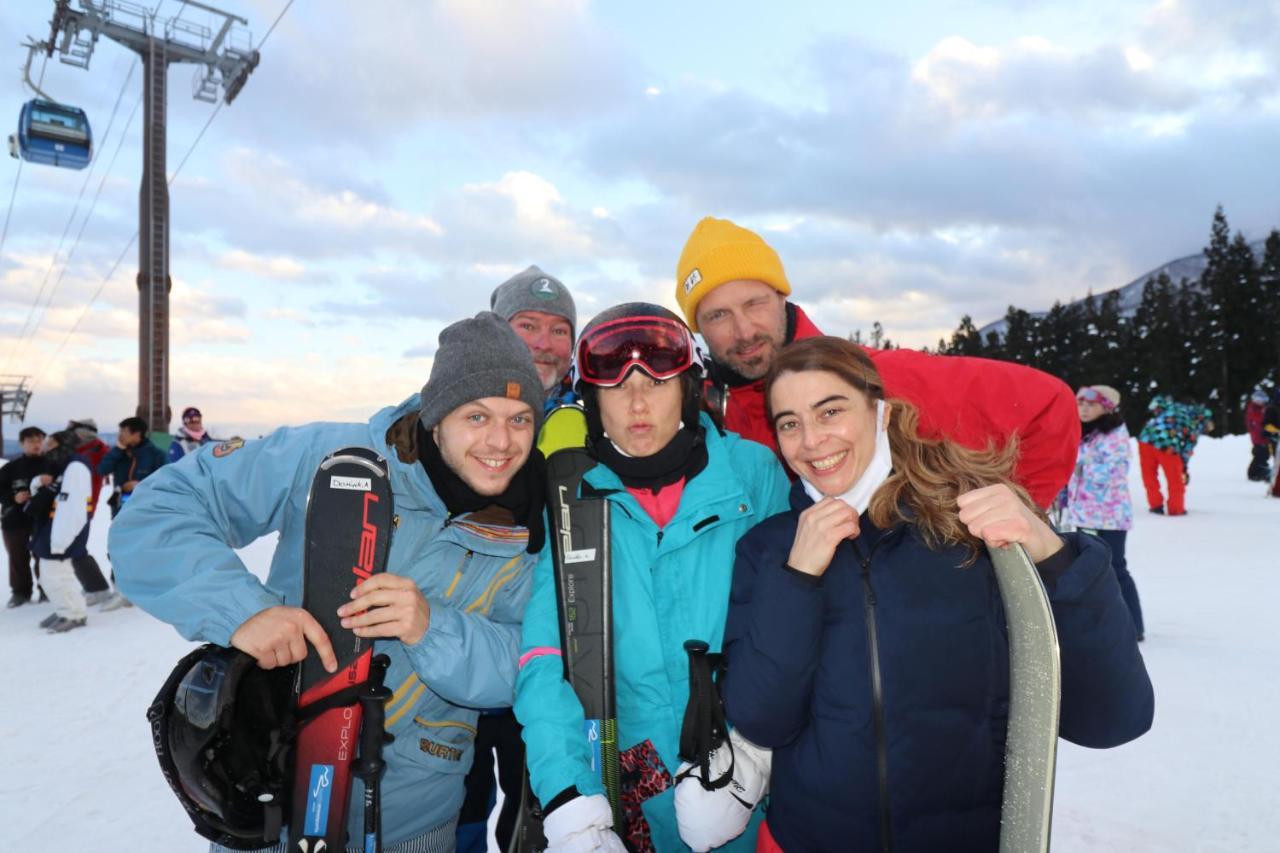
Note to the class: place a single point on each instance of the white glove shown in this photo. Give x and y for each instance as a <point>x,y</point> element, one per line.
<point>581,825</point>
<point>710,819</point>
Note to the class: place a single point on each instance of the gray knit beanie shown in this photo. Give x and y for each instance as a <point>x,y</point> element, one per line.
<point>480,357</point>
<point>533,290</point>
<point>84,429</point>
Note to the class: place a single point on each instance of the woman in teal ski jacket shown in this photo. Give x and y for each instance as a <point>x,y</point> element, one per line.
<point>680,494</point>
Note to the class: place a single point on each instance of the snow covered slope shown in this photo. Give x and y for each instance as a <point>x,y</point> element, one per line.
<point>79,772</point>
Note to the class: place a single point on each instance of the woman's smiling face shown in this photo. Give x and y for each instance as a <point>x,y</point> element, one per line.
<point>826,428</point>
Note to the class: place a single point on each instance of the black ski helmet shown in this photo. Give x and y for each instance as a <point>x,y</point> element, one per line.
<point>223,733</point>
<point>690,378</point>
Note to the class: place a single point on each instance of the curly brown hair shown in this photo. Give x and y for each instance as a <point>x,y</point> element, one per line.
<point>928,473</point>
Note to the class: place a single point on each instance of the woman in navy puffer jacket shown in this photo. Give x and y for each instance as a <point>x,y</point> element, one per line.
<point>866,640</point>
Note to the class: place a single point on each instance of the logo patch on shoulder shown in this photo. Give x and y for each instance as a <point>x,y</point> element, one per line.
<point>228,447</point>
<point>513,390</point>
<point>692,280</point>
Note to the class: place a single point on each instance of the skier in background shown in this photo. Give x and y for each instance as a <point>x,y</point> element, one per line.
<point>1271,427</point>
<point>1098,499</point>
<point>15,491</point>
<point>132,460</point>
<point>1165,445</point>
<point>84,437</point>
<point>1263,443</point>
<point>191,436</point>
<point>878,669</point>
<point>60,514</point>
<point>468,492</point>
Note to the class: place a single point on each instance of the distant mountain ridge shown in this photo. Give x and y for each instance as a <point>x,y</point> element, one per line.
<point>1188,267</point>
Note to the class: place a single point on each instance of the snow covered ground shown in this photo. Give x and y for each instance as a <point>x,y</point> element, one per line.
<point>79,771</point>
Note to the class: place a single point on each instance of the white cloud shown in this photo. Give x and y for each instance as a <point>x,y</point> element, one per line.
<point>346,210</point>
<point>1033,75</point>
<point>1138,59</point>
<point>198,315</point>
<point>539,209</point>
<point>278,266</point>
<point>451,60</point>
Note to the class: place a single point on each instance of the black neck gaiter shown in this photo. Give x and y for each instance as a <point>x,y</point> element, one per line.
<point>684,457</point>
<point>524,498</point>
<point>1102,423</point>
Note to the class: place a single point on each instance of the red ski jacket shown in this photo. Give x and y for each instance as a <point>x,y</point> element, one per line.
<point>972,401</point>
<point>1254,414</point>
<point>94,451</point>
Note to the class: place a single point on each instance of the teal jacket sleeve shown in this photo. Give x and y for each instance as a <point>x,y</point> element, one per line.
<point>468,654</point>
<point>556,749</point>
<point>173,545</point>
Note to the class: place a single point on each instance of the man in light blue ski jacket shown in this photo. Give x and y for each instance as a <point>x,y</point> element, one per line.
<point>468,526</point>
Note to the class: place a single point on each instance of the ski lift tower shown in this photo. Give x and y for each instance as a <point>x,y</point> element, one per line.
<point>14,396</point>
<point>224,59</point>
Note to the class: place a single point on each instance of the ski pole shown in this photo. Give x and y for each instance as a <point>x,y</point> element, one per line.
<point>370,764</point>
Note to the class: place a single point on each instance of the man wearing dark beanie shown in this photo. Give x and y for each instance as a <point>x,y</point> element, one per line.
<point>468,491</point>
<point>541,311</point>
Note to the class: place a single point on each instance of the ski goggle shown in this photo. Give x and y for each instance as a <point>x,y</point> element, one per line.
<point>659,346</point>
<point>1091,395</point>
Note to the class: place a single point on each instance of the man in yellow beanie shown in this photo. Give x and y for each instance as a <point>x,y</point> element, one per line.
<point>733,290</point>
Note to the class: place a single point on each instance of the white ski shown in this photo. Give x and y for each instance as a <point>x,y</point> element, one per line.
<point>1035,678</point>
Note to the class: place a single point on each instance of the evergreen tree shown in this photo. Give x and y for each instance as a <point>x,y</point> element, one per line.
<point>1198,376</point>
<point>1157,356</point>
<point>1059,335</point>
<point>965,340</point>
<point>878,338</point>
<point>1020,336</point>
<point>1230,287</point>
<point>1214,356</point>
<point>1107,340</point>
<point>1269,288</point>
<point>1248,332</point>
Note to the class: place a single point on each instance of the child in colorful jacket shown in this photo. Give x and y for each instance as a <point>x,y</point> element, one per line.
<point>1166,444</point>
<point>1098,494</point>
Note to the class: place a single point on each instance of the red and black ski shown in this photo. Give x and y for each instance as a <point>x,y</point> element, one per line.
<point>349,522</point>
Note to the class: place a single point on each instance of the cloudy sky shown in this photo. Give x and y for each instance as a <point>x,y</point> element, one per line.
<point>389,163</point>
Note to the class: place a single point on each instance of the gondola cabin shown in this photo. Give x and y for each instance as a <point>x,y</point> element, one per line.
<point>53,134</point>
